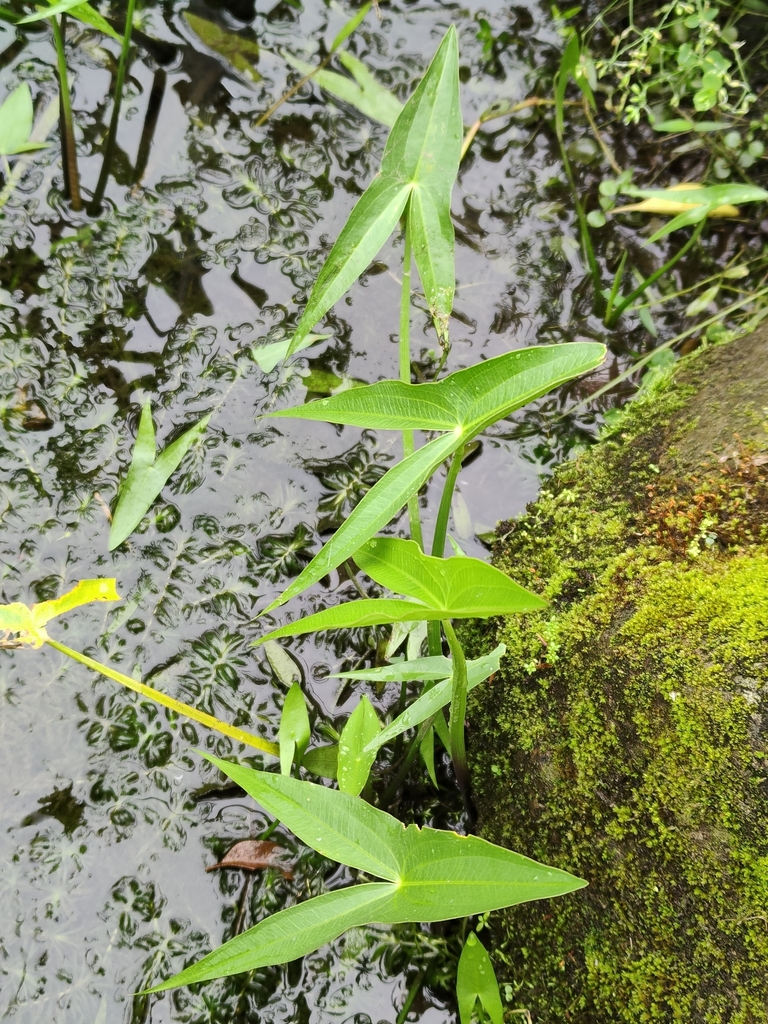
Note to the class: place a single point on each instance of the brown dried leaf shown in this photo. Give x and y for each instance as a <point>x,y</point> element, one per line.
<point>253,854</point>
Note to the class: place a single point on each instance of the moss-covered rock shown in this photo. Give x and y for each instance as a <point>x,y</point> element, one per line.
<point>626,738</point>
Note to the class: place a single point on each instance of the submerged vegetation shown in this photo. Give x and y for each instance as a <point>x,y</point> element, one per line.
<point>120,250</point>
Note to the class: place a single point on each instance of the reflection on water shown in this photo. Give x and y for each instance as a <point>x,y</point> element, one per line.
<point>211,232</point>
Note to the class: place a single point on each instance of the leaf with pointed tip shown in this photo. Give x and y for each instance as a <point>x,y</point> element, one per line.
<point>464,403</point>
<point>268,356</point>
<point>419,153</point>
<point>16,114</point>
<point>476,979</point>
<point>29,621</point>
<point>375,509</point>
<point>370,224</point>
<point>402,671</point>
<point>430,702</point>
<point>289,934</point>
<point>349,27</point>
<point>148,474</point>
<point>295,730</point>
<point>362,91</point>
<point>431,875</point>
<point>282,664</point>
<point>78,9</point>
<point>355,759</point>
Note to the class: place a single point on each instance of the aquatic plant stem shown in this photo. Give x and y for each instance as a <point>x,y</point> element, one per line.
<point>405,375</point>
<point>68,150</point>
<point>109,152</point>
<point>169,702</point>
<point>612,316</point>
<point>458,709</point>
<point>444,511</point>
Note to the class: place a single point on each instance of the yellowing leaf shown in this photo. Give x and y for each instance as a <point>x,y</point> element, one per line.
<point>671,207</point>
<point>28,622</point>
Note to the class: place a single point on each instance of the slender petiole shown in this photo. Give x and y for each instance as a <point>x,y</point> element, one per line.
<point>109,153</point>
<point>68,149</point>
<point>405,373</point>
<point>170,702</point>
<point>458,709</point>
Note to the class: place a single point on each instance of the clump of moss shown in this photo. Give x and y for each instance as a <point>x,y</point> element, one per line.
<point>626,738</point>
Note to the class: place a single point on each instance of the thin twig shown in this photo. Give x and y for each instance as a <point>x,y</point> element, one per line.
<point>293,90</point>
<point>603,144</point>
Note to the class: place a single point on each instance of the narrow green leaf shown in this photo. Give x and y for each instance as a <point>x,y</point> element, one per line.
<point>568,63</point>
<point>376,508</point>
<point>268,356</point>
<point>353,614</point>
<point>295,730</point>
<point>403,671</point>
<point>364,92</point>
<point>460,587</point>
<point>422,151</point>
<point>148,474</point>
<point>701,302</point>
<point>476,979</point>
<point>355,757</point>
<point>16,115</point>
<point>241,53</point>
<point>427,751</point>
<point>370,224</point>
<point>77,9</point>
<point>346,30</point>
<point>432,119</point>
<point>430,702</point>
<point>289,934</point>
<point>339,826</point>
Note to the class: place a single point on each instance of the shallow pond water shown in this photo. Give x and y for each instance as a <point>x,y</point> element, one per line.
<point>211,232</point>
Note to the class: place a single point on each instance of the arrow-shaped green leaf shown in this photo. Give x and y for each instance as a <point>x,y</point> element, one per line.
<point>148,474</point>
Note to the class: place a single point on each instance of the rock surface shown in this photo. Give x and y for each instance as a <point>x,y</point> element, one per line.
<point>626,737</point>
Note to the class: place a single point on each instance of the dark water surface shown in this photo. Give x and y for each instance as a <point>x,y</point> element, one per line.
<point>207,244</point>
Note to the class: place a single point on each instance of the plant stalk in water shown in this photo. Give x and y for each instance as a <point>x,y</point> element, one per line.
<point>68,149</point>
<point>109,152</point>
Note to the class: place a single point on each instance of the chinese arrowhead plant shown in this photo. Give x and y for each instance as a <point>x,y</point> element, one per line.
<point>424,874</point>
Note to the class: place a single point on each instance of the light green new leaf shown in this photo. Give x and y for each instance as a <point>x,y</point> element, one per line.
<point>16,116</point>
<point>476,979</point>
<point>349,27</point>
<point>464,403</point>
<point>461,587</point>
<point>419,154</point>
<point>29,621</point>
<point>429,703</point>
<point>374,510</point>
<point>268,356</point>
<point>431,875</point>
<point>241,53</point>
<point>362,91</point>
<point>424,149</point>
<point>294,732</point>
<point>82,11</point>
<point>148,474</point>
<point>355,759</point>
